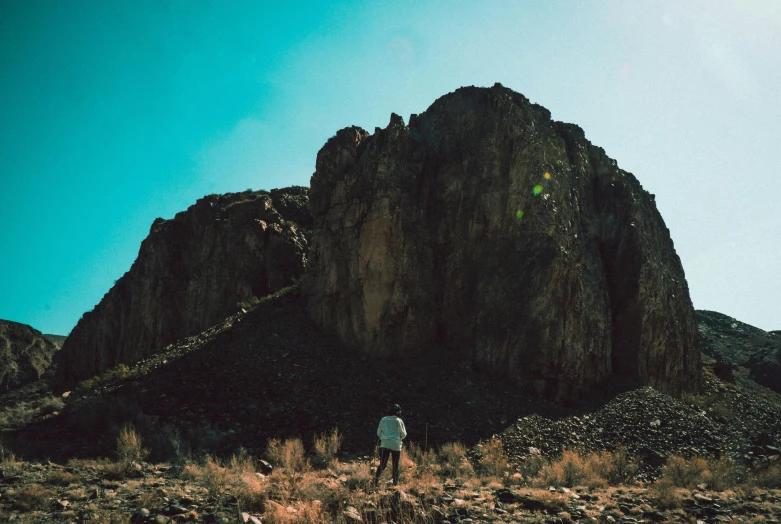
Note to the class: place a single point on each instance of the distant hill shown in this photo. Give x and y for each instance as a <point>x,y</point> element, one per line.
<point>57,340</point>
<point>25,354</point>
<point>729,340</point>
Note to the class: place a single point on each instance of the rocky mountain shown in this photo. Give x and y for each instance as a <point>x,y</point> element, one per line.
<point>57,340</point>
<point>191,272</point>
<point>485,230</point>
<point>731,341</point>
<point>25,354</point>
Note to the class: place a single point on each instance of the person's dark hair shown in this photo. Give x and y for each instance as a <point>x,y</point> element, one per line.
<point>395,409</point>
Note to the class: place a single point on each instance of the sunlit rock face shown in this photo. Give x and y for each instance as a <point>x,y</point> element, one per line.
<point>25,354</point>
<point>485,230</point>
<point>192,272</point>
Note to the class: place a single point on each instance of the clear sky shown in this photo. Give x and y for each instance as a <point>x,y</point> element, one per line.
<point>113,113</point>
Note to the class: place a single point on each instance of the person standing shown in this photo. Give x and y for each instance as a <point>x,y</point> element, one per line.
<point>391,432</point>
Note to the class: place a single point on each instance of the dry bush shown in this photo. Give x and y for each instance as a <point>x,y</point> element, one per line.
<point>217,479</point>
<point>453,461</point>
<point>288,455</point>
<point>33,497</point>
<point>326,448</point>
<point>494,461</point>
<point>424,459</point>
<point>768,477</point>
<point>51,405</point>
<point>359,476</point>
<point>552,502</point>
<point>20,414</point>
<point>61,478</point>
<point>684,473</point>
<point>664,494</point>
<point>568,471</point>
<point>614,468</point>
<point>10,464</point>
<point>130,447</point>
<point>721,474</point>
<point>331,493</point>
<point>307,512</point>
<point>252,491</point>
<point>531,466</point>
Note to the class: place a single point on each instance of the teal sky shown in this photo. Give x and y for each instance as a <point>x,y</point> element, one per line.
<point>114,113</point>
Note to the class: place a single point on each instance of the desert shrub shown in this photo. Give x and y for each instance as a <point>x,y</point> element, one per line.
<point>20,414</point>
<point>424,459</point>
<point>720,474</point>
<point>664,494</point>
<point>61,478</point>
<point>9,463</point>
<point>33,497</point>
<point>359,476</point>
<point>288,455</point>
<point>684,473</point>
<point>623,467</point>
<point>453,461</point>
<point>217,479</point>
<point>130,447</point>
<point>252,491</point>
<point>568,471</point>
<point>304,512</point>
<point>120,372</point>
<point>326,448</point>
<point>768,477</point>
<point>531,466</point>
<point>494,461</point>
<point>51,405</point>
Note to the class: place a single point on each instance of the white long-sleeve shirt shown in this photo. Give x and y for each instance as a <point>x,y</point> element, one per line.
<point>391,432</point>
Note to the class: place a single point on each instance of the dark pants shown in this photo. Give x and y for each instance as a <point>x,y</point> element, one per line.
<point>384,453</point>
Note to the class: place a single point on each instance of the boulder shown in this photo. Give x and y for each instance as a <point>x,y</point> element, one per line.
<point>192,271</point>
<point>486,231</point>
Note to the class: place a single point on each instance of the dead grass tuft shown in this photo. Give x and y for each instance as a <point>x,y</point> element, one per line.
<point>326,448</point>
<point>61,478</point>
<point>684,473</point>
<point>768,477</point>
<point>288,455</point>
<point>33,497</point>
<point>453,461</point>
<point>664,494</point>
<point>494,461</point>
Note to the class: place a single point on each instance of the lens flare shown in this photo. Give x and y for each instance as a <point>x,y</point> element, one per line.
<point>547,175</point>
<point>519,214</point>
<point>537,190</point>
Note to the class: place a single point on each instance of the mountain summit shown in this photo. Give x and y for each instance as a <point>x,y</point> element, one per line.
<point>485,230</point>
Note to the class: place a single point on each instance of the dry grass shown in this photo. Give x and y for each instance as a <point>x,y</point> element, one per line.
<point>685,473</point>
<point>130,447</point>
<point>288,455</point>
<point>494,461</point>
<point>453,461</point>
<point>568,471</point>
<point>768,477</point>
<point>61,478</point>
<point>665,495</point>
<point>326,448</point>
<point>33,497</point>
<point>721,474</point>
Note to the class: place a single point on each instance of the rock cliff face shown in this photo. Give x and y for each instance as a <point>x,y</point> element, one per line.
<point>25,354</point>
<point>486,230</point>
<point>191,272</point>
<point>731,341</point>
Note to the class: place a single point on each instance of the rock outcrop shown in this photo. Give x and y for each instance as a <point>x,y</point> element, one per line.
<point>485,230</point>
<point>25,354</point>
<point>736,343</point>
<point>192,272</point>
